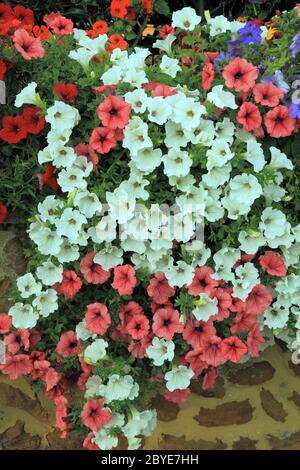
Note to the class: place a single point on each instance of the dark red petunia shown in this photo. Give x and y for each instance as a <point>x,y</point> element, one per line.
<point>25,15</point>
<point>66,92</point>
<point>49,177</point>
<point>33,120</point>
<point>13,129</point>
<point>3,212</point>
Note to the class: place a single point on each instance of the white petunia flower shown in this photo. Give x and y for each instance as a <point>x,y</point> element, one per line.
<point>46,302</point>
<point>165,44</point>
<point>27,286</point>
<point>206,307</point>
<point>23,316</point>
<point>170,66</point>
<point>49,273</point>
<point>70,223</point>
<point>96,351</point>
<point>28,96</point>
<point>62,116</point>
<point>222,99</point>
<point>186,19</point>
<point>177,163</point>
<point>109,257</point>
<point>158,110</point>
<point>160,351</point>
<point>178,378</point>
<point>138,100</point>
<point>87,203</point>
<point>219,24</point>
<point>180,274</point>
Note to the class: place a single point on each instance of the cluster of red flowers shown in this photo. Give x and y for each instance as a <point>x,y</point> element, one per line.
<point>114,114</point>
<point>123,8</point>
<point>16,128</point>
<point>240,76</point>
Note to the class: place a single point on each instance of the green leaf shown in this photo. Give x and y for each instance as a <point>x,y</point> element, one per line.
<point>161,7</point>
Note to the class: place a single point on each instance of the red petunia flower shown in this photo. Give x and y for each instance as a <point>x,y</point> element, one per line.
<point>114,113</point>
<point>16,366</point>
<point>99,27</point>
<point>166,323</point>
<point>88,444</point>
<point>177,396</point>
<point>279,123</point>
<point>148,4</point>
<point>258,300</point>
<point>208,76</point>
<point>273,264</point>
<point>224,297</point>
<point>94,416</point>
<point>267,94</point>
<point>2,69</point>
<point>61,25</point>
<point>202,282</point>
<point>97,318</point>
<point>138,348</point>
<point>33,120</point>
<point>116,41</point>
<point>102,140</point>
<point>49,177</point>
<point>166,30</point>
<point>66,92</point>
<point>5,323</point>
<point>3,212</point>
<point>118,8</point>
<point>255,340</point>
<point>138,327</point>
<point>194,359</point>
<point>209,380</point>
<point>195,332</point>
<point>243,321</point>
<point>240,74</point>
<point>93,272</point>
<point>61,415</point>
<point>129,310</point>
<point>249,116</point>
<point>28,46</point>
<point>6,13</point>
<point>70,284</point>
<point>124,279</point>
<point>41,32</point>
<point>52,377</point>
<point>233,349</point>
<point>159,289</point>
<point>68,344</point>
<point>212,353</point>
<point>13,129</point>
<point>24,15</point>
<point>15,341</point>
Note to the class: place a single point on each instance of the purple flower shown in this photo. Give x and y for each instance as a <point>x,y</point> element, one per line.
<point>250,33</point>
<point>234,47</point>
<point>295,46</point>
<point>295,110</point>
